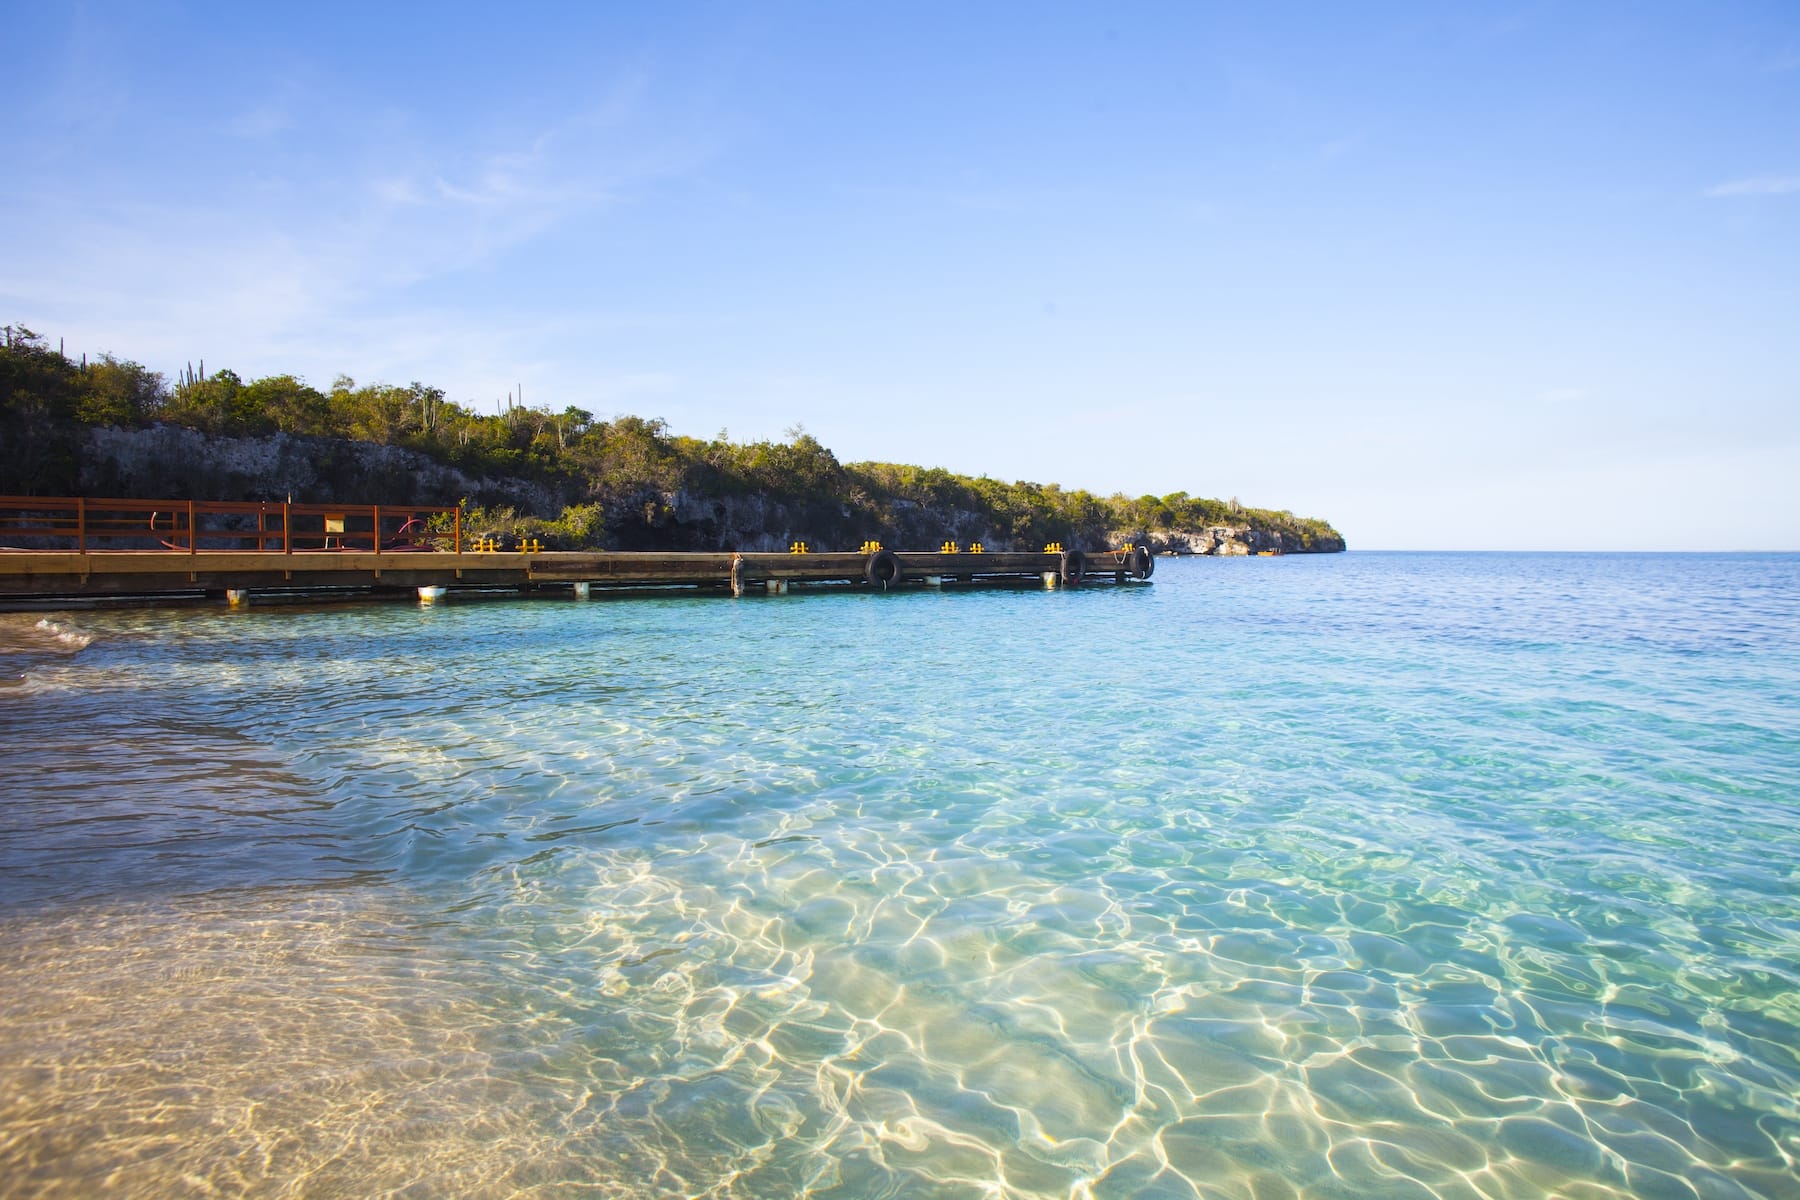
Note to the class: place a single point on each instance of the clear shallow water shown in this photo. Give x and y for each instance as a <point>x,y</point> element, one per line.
<point>1366,875</point>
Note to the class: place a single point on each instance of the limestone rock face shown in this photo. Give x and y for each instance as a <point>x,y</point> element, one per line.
<point>174,462</point>
<point>171,461</point>
<point>1225,541</point>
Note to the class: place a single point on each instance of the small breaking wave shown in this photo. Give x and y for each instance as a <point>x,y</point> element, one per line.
<point>75,639</point>
<point>26,643</point>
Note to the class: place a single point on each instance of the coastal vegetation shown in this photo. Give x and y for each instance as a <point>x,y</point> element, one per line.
<point>566,475</point>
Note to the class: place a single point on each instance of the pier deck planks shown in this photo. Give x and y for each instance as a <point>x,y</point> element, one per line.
<point>44,573</point>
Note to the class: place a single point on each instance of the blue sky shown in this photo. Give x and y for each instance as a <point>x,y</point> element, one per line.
<point>1450,276</point>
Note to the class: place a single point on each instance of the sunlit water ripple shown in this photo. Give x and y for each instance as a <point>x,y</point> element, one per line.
<point>1363,875</point>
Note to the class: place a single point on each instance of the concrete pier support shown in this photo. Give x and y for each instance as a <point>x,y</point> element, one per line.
<point>936,581</point>
<point>237,597</point>
<point>778,587</point>
<point>582,590</point>
<point>432,595</point>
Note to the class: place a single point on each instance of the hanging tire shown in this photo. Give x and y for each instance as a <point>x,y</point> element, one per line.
<point>1074,566</point>
<point>1143,563</point>
<point>882,570</point>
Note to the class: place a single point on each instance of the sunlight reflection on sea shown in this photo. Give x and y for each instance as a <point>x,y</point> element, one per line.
<point>1363,875</point>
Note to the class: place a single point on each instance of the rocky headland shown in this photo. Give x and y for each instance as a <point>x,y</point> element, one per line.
<point>113,428</point>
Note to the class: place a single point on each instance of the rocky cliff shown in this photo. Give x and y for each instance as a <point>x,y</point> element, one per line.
<point>1229,540</point>
<point>690,520</point>
<point>177,462</point>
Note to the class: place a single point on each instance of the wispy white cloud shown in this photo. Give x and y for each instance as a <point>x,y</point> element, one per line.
<point>398,191</point>
<point>361,258</point>
<point>262,121</point>
<point>1759,185</point>
<point>973,199</point>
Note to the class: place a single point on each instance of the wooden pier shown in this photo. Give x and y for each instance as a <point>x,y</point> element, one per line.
<point>168,549</point>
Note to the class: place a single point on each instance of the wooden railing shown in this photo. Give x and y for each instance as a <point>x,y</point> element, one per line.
<point>83,524</point>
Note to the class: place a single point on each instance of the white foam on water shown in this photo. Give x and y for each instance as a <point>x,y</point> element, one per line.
<point>65,634</point>
<point>29,646</point>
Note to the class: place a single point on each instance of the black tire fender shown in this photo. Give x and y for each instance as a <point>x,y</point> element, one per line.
<point>1143,563</point>
<point>882,569</point>
<point>1074,566</point>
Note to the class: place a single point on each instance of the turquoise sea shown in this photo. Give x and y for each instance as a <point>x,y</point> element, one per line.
<point>1369,875</point>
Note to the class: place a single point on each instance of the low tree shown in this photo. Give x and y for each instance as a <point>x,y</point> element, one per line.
<point>112,391</point>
